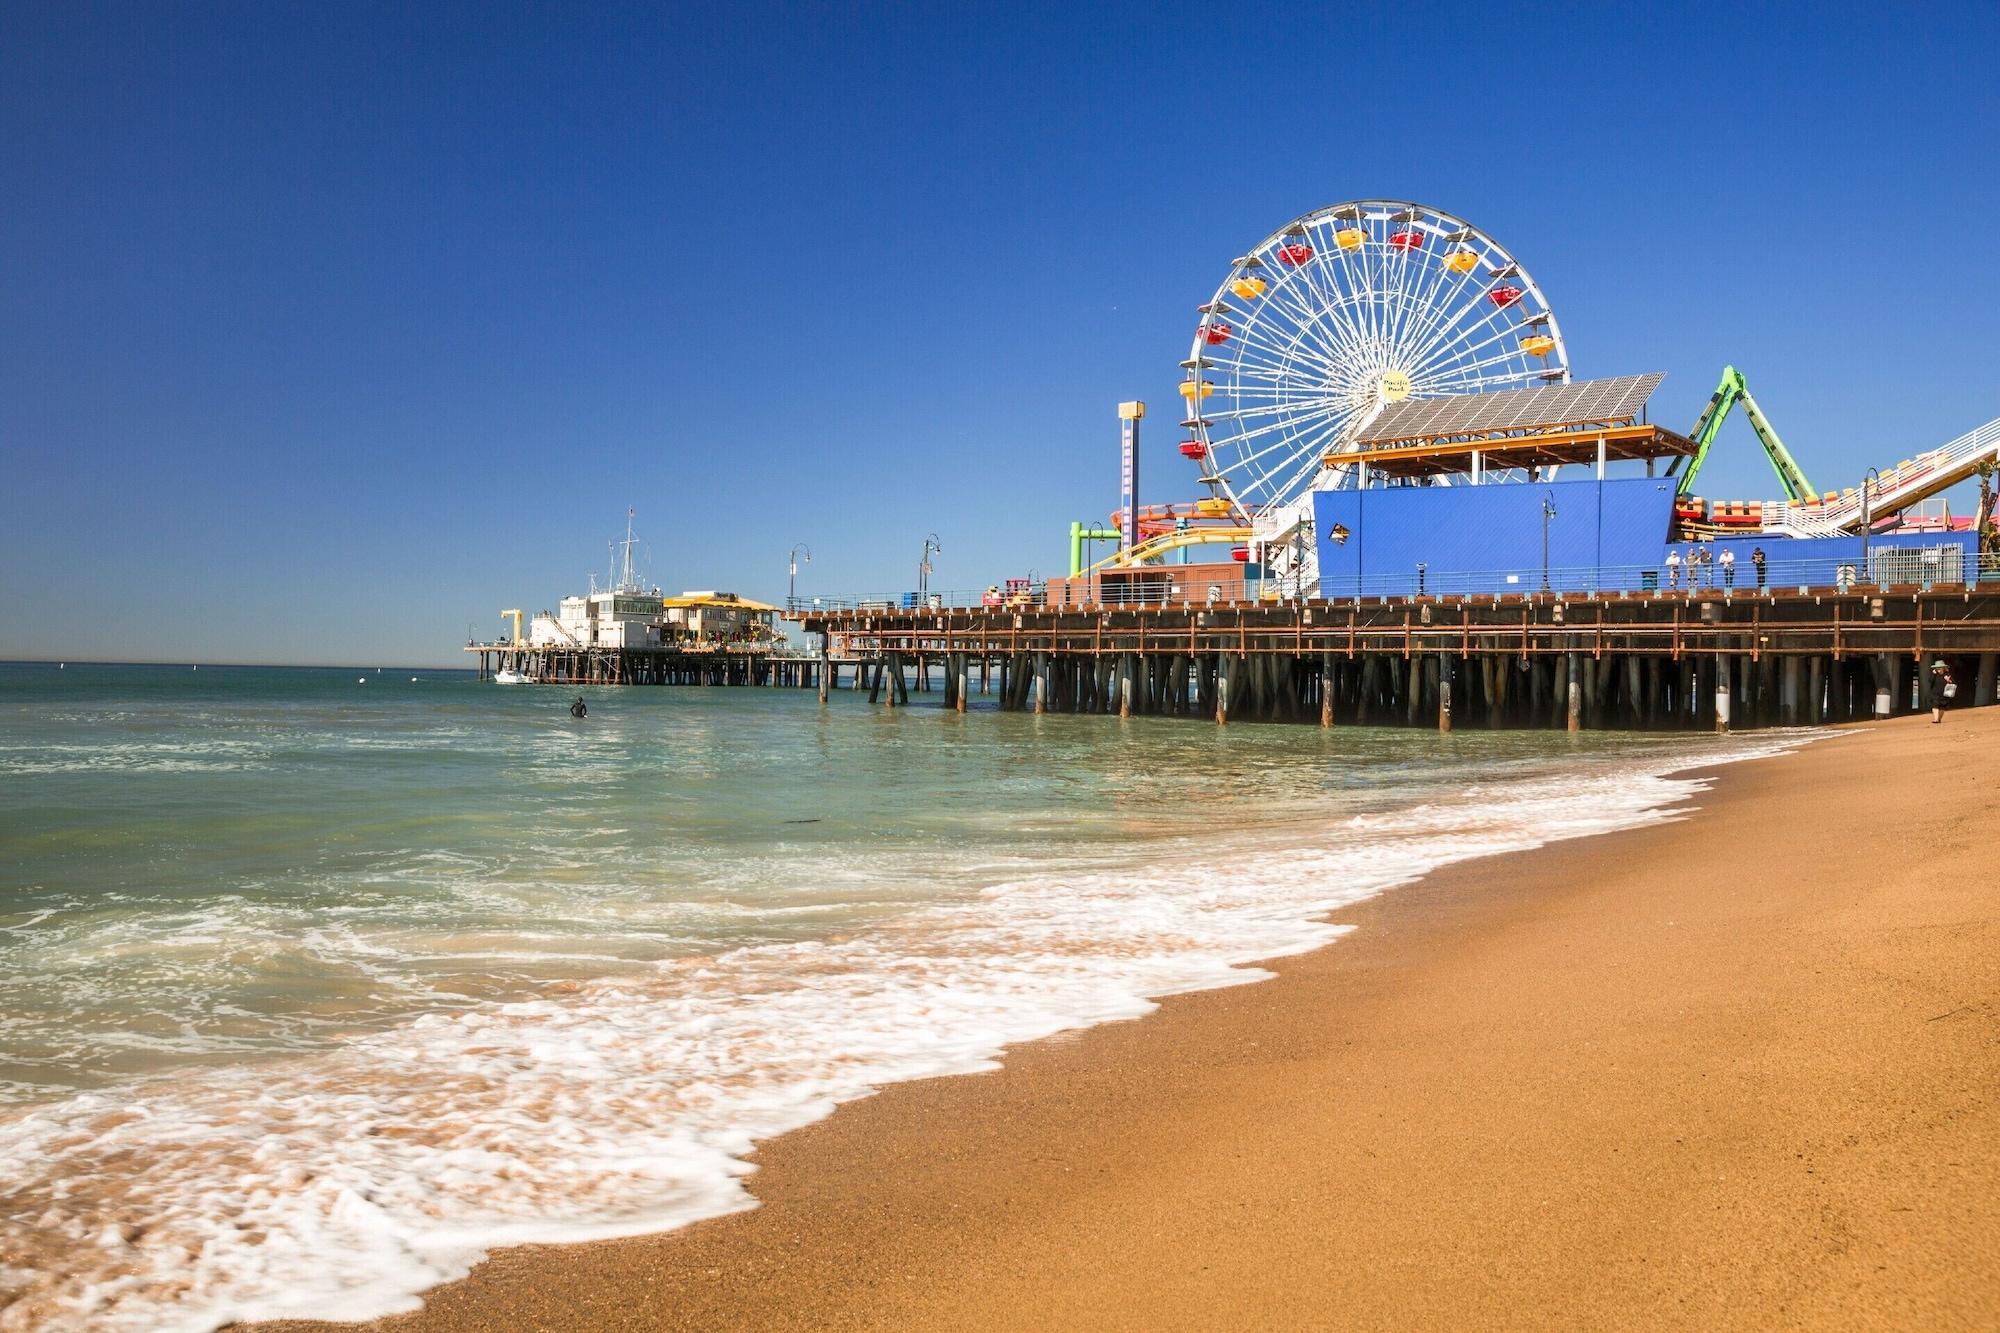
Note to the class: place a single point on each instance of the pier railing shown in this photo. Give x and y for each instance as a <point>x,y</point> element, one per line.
<point>1164,585</point>
<point>1679,626</point>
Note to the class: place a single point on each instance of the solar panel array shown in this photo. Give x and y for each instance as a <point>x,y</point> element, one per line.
<point>1617,399</point>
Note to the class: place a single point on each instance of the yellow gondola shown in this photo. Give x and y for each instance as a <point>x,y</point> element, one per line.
<point>1349,238</point>
<point>1538,344</point>
<point>1462,261</point>
<point>1211,507</point>
<point>1248,287</point>
<point>1189,389</point>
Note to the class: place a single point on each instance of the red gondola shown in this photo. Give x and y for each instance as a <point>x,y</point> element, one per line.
<point>1194,449</point>
<point>1504,296</point>
<point>1240,554</point>
<point>1407,240</point>
<point>1295,254</point>
<point>1217,334</point>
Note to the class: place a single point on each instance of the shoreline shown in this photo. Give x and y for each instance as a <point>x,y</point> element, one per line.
<point>1483,1106</point>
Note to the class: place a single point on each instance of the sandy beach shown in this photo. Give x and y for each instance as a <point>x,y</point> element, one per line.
<point>1735,1070</point>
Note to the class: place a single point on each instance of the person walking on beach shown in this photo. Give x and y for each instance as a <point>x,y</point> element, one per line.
<point>1757,559</point>
<point>1728,563</point>
<point>1673,569</point>
<point>1942,688</point>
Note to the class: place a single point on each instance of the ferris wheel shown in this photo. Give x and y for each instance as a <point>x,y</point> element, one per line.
<point>1335,316</point>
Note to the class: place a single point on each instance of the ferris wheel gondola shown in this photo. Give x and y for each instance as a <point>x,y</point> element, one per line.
<point>1336,315</point>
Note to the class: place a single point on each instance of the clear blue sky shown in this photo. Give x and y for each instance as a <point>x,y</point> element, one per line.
<point>326,330</point>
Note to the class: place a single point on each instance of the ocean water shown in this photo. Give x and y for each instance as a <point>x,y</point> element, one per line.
<point>316,985</point>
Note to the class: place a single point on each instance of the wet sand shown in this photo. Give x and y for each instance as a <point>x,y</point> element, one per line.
<point>1740,1069</point>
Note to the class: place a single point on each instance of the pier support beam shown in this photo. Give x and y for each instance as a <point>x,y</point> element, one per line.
<point>1225,668</point>
<point>1041,683</point>
<point>1444,692</point>
<point>1575,693</point>
<point>1329,686</point>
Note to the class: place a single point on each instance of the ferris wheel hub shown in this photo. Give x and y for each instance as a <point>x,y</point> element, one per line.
<point>1394,387</point>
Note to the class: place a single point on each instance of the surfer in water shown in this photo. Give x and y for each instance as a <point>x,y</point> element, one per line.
<point>577,709</point>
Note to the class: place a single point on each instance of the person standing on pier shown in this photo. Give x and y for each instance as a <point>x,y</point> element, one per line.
<point>1674,569</point>
<point>1757,559</point>
<point>1728,563</point>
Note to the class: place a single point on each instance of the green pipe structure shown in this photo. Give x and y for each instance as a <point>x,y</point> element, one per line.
<point>1078,535</point>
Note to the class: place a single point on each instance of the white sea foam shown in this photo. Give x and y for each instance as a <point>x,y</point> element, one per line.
<point>344,1184</point>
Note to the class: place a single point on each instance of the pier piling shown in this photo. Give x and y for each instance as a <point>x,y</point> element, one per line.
<point>1640,660</point>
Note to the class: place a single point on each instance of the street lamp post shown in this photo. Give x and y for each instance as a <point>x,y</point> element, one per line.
<point>792,585</point>
<point>1871,481</point>
<point>1548,512</point>
<point>931,547</point>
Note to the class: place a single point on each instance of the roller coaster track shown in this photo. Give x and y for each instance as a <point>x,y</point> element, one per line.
<point>1154,548</point>
<point>1893,490</point>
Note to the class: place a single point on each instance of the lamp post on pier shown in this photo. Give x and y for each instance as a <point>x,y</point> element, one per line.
<point>1871,481</point>
<point>1548,512</point>
<point>792,584</point>
<point>931,547</point>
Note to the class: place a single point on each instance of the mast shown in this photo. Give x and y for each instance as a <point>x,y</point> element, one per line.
<point>625,584</point>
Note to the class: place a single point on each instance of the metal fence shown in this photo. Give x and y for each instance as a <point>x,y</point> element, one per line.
<point>1907,566</point>
<point>1923,567</point>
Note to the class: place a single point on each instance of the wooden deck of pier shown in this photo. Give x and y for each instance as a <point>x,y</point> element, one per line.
<point>1692,659</point>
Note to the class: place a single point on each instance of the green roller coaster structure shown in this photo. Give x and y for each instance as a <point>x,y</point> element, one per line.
<point>1727,394</point>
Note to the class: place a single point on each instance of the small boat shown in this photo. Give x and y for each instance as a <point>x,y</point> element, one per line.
<point>509,678</point>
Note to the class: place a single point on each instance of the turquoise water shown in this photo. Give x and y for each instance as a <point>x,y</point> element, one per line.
<point>319,983</point>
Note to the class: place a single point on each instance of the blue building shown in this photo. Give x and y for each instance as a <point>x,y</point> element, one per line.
<point>1515,492</point>
<point>1585,536</point>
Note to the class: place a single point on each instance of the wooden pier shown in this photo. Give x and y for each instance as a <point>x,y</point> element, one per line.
<point>1707,658</point>
<point>672,665</point>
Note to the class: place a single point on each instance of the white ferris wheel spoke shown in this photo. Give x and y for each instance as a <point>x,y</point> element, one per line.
<point>1284,454</point>
<point>1295,292</point>
<point>1282,428</point>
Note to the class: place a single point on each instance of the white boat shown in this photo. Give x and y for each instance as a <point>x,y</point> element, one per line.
<point>509,678</point>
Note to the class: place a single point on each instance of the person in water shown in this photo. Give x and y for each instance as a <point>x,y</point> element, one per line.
<point>578,709</point>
